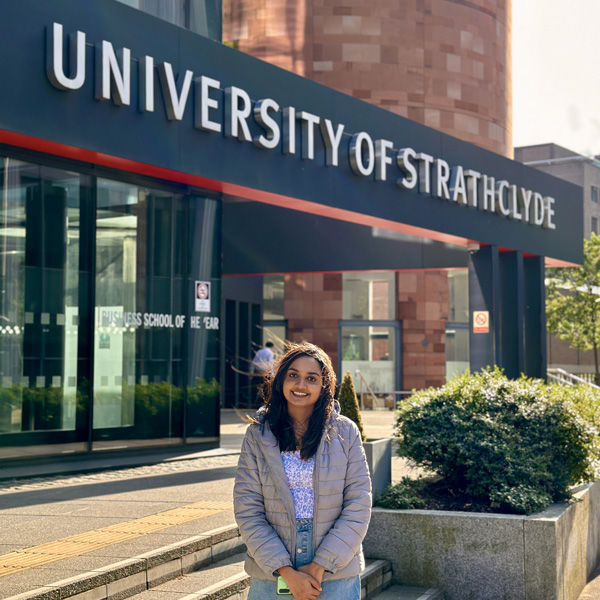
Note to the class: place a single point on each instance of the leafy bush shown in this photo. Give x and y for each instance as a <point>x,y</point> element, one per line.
<point>402,495</point>
<point>515,445</point>
<point>349,402</point>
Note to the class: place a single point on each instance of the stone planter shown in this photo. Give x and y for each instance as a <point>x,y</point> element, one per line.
<point>379,459</point>
<point>480,556</point>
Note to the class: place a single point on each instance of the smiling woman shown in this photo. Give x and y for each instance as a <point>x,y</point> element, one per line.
<point>302,388</point>
<point>302,494</point>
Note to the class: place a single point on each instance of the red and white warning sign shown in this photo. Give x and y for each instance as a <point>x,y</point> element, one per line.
<point>481,321</point>
<point>202,296</point>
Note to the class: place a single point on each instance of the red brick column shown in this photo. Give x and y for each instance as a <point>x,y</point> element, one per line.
<point>423,308</point>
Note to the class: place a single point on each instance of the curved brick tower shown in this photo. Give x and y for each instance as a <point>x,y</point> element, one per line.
<point>444,63</point>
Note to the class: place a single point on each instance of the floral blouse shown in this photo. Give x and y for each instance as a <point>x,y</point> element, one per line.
<point>300,479</point>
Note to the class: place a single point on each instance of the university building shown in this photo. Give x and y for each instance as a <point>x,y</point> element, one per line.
<point>169,202</point>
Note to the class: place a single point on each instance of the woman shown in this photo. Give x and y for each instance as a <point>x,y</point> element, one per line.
<point>302,494</point>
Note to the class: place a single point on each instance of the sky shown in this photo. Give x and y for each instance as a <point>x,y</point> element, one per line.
<point>556,73</point>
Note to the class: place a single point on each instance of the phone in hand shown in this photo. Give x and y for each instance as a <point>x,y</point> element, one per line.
<point>282,587</point>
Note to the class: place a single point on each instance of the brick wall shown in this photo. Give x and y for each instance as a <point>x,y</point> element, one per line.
<point>423,308</point>
<point>313,306</point>
<point>444,63</point>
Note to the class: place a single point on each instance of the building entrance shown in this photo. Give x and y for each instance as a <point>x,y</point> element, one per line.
<point>97,347</point>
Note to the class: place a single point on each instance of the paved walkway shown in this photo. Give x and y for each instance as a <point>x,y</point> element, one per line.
<point>60,519</point>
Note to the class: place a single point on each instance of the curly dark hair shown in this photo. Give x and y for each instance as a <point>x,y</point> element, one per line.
<point>275,408</point>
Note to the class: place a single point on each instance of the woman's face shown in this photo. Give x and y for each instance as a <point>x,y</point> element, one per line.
<point>303,383</point>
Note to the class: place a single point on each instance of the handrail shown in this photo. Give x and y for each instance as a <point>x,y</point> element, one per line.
<point>562,376</point>
<point>376,395</point>
<point>363,380</point>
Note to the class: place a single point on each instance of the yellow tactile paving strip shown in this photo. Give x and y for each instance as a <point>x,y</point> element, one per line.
<point>18,561</point>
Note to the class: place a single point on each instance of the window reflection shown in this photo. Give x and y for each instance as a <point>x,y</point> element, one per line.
<point>368,296</point>
<point>370,350</point>
<point>39,300</point>
<point>199,16</point>
<point>152,352</point>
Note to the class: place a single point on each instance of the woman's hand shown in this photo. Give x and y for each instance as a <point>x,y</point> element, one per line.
<point>302,585</point>
<point>314,570</point>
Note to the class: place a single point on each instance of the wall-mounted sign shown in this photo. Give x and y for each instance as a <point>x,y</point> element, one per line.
<point>230,111</point>
<point>481,321</point>
<point>232,124</point>
<point>202,296</point>
<point>111,320</point>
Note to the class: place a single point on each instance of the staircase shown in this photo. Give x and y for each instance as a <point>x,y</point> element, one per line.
<point>204,567</point>
<point>566,378</point>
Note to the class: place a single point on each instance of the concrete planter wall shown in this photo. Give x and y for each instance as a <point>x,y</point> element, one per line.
<point>379,459</point>
<point>478,556</point>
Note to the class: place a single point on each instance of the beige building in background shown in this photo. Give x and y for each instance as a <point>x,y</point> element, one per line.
<point>585,172</point>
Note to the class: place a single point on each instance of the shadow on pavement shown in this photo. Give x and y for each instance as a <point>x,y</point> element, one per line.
<point>19,499</point>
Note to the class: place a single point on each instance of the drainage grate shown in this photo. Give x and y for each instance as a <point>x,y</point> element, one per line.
<point>17,561</point>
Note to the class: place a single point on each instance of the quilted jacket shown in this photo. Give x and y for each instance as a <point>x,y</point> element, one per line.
<point>264,507</point>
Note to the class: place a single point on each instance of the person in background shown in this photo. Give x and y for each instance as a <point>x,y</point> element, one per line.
<point>302,492</point>
<point>262,363</point>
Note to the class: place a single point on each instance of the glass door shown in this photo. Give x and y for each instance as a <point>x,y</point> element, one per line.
<point>139,324</point>
<point>370,351</point>
<point>44,267</point>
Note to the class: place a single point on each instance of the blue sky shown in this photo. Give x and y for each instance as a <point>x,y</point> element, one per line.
<point>556,73</point>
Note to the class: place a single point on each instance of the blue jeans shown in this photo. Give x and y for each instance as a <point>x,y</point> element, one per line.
<point>338,589</point>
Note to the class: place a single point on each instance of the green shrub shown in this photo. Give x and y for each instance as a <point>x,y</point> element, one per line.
<point>401,495</point>
<point>515,445</point>
<point>349,402</point>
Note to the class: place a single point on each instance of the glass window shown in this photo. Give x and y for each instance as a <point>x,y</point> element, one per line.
<point>458,288</point>
<point>43,282</point>
<point>369,353</point>
<point>595,225</point>
<point>368,296</point>
<point>273,295</point>
<point>276,333</point>
<point>457,349</point>
<point>155,348</point>
<point>595,193</point>
<point>148,320</point>
<point>199,16</point>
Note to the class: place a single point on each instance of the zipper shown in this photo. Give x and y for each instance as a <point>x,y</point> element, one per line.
<point>316,469</point>
<point>285,498</point>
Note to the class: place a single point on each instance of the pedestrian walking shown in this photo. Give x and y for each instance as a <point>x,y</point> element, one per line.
<point>302,493</point>
<point>262,363</point>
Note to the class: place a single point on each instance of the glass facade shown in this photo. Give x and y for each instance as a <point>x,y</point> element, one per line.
<point>369,352</point>
<point>457,327</point>
<point>274,326</point>
<point>101,344</point>
<point>199,16</point>
<point>368,296</point>
<point>369,334</point>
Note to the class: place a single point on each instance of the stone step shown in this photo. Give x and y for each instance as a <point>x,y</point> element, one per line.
<point>224,579</point>
<point>127,578</point>
<point>205,567</point>
<point>402,592</point>
<point>227,581</point>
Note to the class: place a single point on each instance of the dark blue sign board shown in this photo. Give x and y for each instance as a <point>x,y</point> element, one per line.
<point>207,128</point>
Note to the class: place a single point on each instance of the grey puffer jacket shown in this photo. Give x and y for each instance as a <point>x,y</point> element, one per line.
<point>264,507</point>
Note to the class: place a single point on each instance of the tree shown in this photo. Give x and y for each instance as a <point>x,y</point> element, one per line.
<point>573,302</point>
<point>349,402</point>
